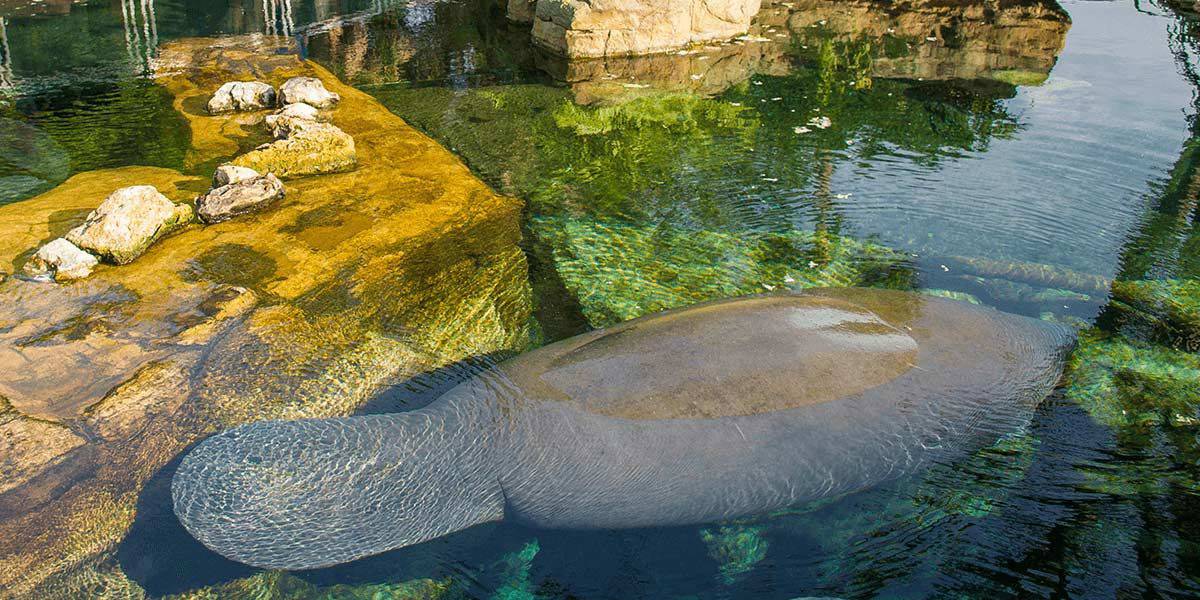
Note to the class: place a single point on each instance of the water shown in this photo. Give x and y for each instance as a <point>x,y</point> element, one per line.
<point>1027,165</point>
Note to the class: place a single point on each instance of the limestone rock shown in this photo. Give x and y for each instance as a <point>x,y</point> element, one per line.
<point>296,110</point>
<point>227,174</point>
<point>308,90</point>
<point>62,261</point>
<point>589,28</point>
<point>127,222</point>
<point>309,148</point>
<point>242,95</point>
<point>238,198</point>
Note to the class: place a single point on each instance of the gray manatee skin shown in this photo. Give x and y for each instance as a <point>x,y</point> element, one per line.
<point>723,410</point>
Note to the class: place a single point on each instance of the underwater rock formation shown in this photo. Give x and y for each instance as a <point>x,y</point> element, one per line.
<point>723,410</point>
<point>591,28</point>
<point>127,222</point>
<point>351,281</point>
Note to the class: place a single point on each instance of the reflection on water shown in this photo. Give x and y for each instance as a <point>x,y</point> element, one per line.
<point>997,152</point>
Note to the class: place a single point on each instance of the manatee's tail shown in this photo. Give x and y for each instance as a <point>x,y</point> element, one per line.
<point>318,492</point>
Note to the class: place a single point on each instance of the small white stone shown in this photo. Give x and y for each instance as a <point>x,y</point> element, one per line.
<point>227,174</point>
<point>62,261</point>
<point>308,90</point>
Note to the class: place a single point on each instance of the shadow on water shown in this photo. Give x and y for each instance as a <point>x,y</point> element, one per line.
<point>159,554</point>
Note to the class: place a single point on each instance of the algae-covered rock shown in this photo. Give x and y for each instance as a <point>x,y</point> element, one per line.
<point>310,148</point>
<point>239,198</point>
<point>60,260</point>
<point>736,548</point>
<point>307,90</point>
<point>127,222</point>
<point>1169,305</point>
<point>620,271</point>
<point>1121,381</point>
<point>242,95</point>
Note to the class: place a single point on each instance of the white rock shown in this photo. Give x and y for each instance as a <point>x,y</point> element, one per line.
<point>242,95</point>
<point>127,222</point>
<point>308,90</point>
<point>62,261</point>
<point>227,174</point>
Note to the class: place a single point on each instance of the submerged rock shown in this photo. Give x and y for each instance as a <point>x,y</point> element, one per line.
<point>127,222</point>
<point>309,148</point>
<point>240,96</point>
<point>60,260</point>
<point>308,90</point>
<point>227,174</point>
<point>29,446</point>
<point>238,198</point>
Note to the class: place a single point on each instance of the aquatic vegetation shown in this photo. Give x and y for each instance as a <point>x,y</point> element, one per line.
<point>1124,382</point>
<point>514,571</point>
<point>1170,306</point>
<point>620,271</point>
<point>736,548</point>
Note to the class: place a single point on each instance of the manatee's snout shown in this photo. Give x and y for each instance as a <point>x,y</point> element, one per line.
<point>317,492</point>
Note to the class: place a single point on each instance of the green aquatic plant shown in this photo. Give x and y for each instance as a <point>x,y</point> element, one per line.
<point>1124,382</point>
<point>514,569</point>
<point>620,271</point>
<point>735,548</point>
<point>1170,306</point>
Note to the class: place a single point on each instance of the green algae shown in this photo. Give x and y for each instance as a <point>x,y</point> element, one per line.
<point>735,548</point>
<point>951,294</point>
<point>1169,308</point>
<point>620,271</point>
<point>514,570</point>
<point>1123,382</point>
<point>234,264</point>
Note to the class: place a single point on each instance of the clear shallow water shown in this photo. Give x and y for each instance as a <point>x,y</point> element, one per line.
<point>643,202</point>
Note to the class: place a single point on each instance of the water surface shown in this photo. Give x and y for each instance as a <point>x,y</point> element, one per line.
<point>1024,154</point>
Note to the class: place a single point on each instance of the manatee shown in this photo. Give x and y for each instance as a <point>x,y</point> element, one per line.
<point>719,411</point>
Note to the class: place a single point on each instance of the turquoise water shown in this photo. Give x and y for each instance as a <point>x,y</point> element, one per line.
<point>1024,166</point>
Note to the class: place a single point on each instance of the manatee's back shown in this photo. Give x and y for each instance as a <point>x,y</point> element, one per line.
<point>748,405</point>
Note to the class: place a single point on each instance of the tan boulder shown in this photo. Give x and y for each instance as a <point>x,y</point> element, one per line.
<point>239,198</point>
<point>307,90</point>
<point>241,96</point>
<point>127,222</point>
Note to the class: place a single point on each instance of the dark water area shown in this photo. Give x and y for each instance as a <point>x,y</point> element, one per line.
<point>1038,158</point>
